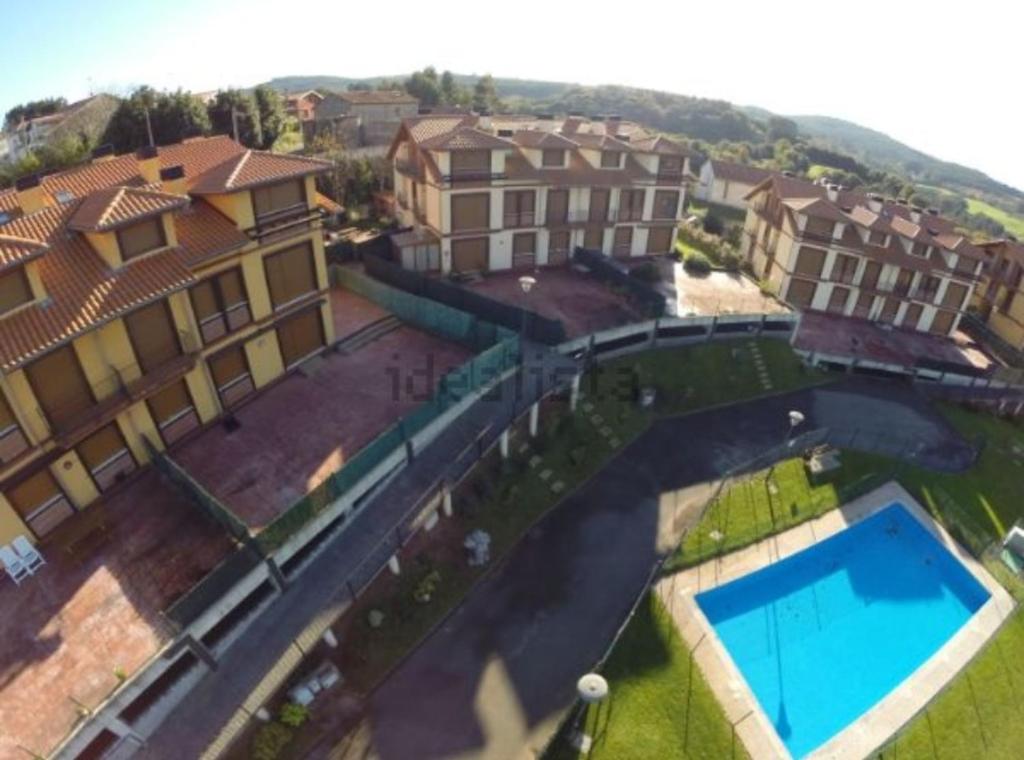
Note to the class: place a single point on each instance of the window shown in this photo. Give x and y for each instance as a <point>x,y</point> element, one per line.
<point>942,322</point>
<point>14,289</point>
<point>929,287</point>
<point>59,385</point>
<point>598,205</point>
<point>903,282</point>
<point>809,262</point>
<point>153,335</point>
<point>291,274</point>
<point>40,502</point>
<point>593,238</point>
<point>471,164</point>
<point>141,237</point>
<point>610,159</point>
<point>280,197</point>
<point>659,240</point>
<point>837,300</point>
<point>889,310</point>
<point>819,228</point>
<point>670,166</point>
<point>106,456</point>
<point>558,247</point>
<point>552,157</point>
<point>912,316</point>
<point>844,268</point>
<point>524,248</point>
<point>220,304</point>
<point>631,205</point>
<point>300,336</point>
<point>173,411</point>
<point>875,237</point>
<point>665,204</point>
<point>12,440</point>
<point>230,372</point>
<point>954,296</point>
<point>558,206</point>
<point>800,293</point>
<point>519,208</point>
<point>872,271</point>
<point>471,211</point>
<point>863,306</point>
<point>623,242</point>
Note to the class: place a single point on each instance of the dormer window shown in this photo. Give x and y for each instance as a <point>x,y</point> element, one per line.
<point>610,159</point>
<point>141,237</point>
<point>471,164</point>
<point>553,157</point>
<point>278,199</point>
<point>14,290</point>
<point>670,167</point>
<point>875,237</point>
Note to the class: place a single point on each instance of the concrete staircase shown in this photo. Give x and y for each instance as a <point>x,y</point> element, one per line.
<point>366,335</point>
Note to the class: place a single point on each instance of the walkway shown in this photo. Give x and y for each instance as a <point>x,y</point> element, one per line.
<point>493,682</point>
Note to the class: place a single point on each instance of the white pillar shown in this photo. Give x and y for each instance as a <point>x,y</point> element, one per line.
<point>393,565</point>
<point>574,394</point>
<point>431,521</point>
<point>534,418</point>
<point>503,444</point>
<point>330,639</point>
<point>446,502</point>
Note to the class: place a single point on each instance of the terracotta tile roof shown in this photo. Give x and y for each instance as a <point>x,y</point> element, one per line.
<point>579,171</point>
<point>82,291</point>
<point>748,175</point>
<point>254,168</point>
<point>376,97</point>
<point>601,142</point>
<point>466,138</point>
<point>535,138</point>
<point>115,207</point>
<point>17,250</point>
<point>425,127</point>
<point>205,234</point>
<point>659,144</point>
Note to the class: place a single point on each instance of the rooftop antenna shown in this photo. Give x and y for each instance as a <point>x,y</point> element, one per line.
<point>149,127</point>
<point>234,121</point>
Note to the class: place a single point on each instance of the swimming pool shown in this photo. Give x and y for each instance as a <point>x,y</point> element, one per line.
<point>824,634</point>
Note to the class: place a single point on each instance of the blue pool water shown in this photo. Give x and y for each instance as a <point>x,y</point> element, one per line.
<point>823,635</point>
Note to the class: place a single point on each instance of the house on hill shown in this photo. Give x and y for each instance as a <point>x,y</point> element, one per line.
<point>85,119</point>
<point>728,184</point>
<point>361,118</point>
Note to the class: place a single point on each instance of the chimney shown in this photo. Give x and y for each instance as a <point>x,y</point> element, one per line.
<point>833,192</point>
<point>875,202</point>
<point>915,213</point>
<point>104,152</point>
<point>30,194</point>
<point>545,122</point>
<point>484,121</point>
<point>613,125</point>
<point>149,163</point>
<point>173,179</point>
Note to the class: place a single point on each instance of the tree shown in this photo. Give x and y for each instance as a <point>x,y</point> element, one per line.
<point>271,109</point>
<point>32,109</point>
<point>424,86</point>
<point>452,93</point>
<point>235,105</point>
<point>485,95</point>
<point>126,129</point>
<point>780,128</point>
<point>177,116</point>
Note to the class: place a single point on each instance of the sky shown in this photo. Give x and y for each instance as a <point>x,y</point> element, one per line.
<point>943,81</point>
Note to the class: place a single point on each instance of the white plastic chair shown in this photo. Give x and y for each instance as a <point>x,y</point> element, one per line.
<point>29,554</point>
<point>14,565</point>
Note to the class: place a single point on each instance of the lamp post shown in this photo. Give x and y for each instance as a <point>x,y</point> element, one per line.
<point>592,689</point>
<point>526,282</point>
<point>795,418</point>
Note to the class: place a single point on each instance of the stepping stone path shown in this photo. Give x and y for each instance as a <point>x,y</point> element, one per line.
<point>534,461</point>
<point>545,475</point>
<point>558,486</point>
<point>760,366</point>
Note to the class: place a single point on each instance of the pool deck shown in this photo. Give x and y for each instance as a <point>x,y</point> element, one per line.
<point>878,724</point>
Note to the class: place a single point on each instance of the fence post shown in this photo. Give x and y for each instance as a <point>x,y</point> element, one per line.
<point>201,651</point>
<point>276,576</point>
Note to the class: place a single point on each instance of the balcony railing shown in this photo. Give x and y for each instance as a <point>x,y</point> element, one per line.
<point>284,223</point>
<point>629,215</point>
<point>574,217</point>
<point>483,175</point>
<point>520,219</point>
<point>674,177</point>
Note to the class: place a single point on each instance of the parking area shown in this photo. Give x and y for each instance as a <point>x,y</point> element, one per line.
<point>290,438</point>
<point>579,300</point>
<point>73,630</point>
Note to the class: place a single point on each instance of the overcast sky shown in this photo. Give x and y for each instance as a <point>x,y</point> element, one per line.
<point>943,78</point>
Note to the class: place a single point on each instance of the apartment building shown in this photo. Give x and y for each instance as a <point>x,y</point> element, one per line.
<point>142,297</point>
<point>1000,296</point>
<point>728,184</point>
<point>827,249</point>
<point>87,118</point>
<point>490,193</point>
<point>360,119</point>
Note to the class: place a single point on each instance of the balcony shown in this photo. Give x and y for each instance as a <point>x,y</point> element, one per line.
<point>670,176</point>
<point>580,217</point>
<point>284,223</point>
<point>629,215</point>
<point>12,444</point>
<point>482,175</point>
<point>520,219</point>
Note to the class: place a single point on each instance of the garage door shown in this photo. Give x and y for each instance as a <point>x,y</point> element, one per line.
<point>300,336</point>
<point>40,502</point>
<point>470,255</point>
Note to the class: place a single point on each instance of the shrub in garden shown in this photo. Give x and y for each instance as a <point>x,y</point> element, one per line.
<point>713,224</point>
<point>293,714</point>
<point>427,586</point>
<point>270,741</point>
<point>646,272</point>
<point>731,261</point>
<point>696,262</point>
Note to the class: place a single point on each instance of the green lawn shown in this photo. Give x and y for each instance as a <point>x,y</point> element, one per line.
<point>1013,223</point>
<point>661,706</point>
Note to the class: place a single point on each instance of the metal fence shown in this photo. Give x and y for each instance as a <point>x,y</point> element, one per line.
<point>550,332</point>
<point>649,300</point>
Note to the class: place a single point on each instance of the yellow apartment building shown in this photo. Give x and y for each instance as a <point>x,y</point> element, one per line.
<point>1000,296</point>
<point>142,297</point>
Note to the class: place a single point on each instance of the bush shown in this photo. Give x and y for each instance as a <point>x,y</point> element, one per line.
<point>696,262</point>
<point>713,224</point>
<point>731,261</point>
<point>646,272</point>
<point>270,741</point>
<point>293,715</point>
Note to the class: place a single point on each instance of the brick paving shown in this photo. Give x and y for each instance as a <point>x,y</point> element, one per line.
<point>68,629</point>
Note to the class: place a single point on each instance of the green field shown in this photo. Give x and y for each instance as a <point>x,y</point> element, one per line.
<point>1013,224</point>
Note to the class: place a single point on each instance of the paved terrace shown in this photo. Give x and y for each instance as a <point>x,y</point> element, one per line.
<point>68,628</point>
<point>293,436</point>
<point>861,339</point>
<point>579,300</point>
<point>718,293</point>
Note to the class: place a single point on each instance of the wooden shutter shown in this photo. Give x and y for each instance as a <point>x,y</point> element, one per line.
<point>278,197</point>
<point>863,307</point>
<point>170,402</point>
<point>809,262</point>
<point>912,316</point>
<point>33,492</point>
<point>903,280</point>
<point>524,242</point>
<point>844,268</point>
<point>819,227</point>
<point>470,255</point>
<point>598,205</point>
<point>558,247</point>
<point>889,310</point>
<point>207,309</point>
<point>623,241</point>
<point>876,237</point>
<point>14,289</point>
<point>300,336</point>
<point>291,274</point>
<point>659,239</point>
<point>153,335</point>
<point>228,366</point>
<point>954,296</point>
<point>141,237</point>
<point>471,162</point>
<point>801,293</point>
<point>101,447</point>
<point>837,300</point>
<point>558,206</point>
<point>471,211</point>
<point>872,271</point>
<point>552,157</point>
<point>943,322</point>
<point>665,204</point>
<point>593,238</point>
<point>59,385</point>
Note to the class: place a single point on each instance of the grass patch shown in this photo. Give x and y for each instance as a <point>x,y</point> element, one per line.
<point>1011,222</point>
<point>661,706</point>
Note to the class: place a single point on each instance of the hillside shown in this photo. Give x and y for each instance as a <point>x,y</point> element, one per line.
<point>507,88</point>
